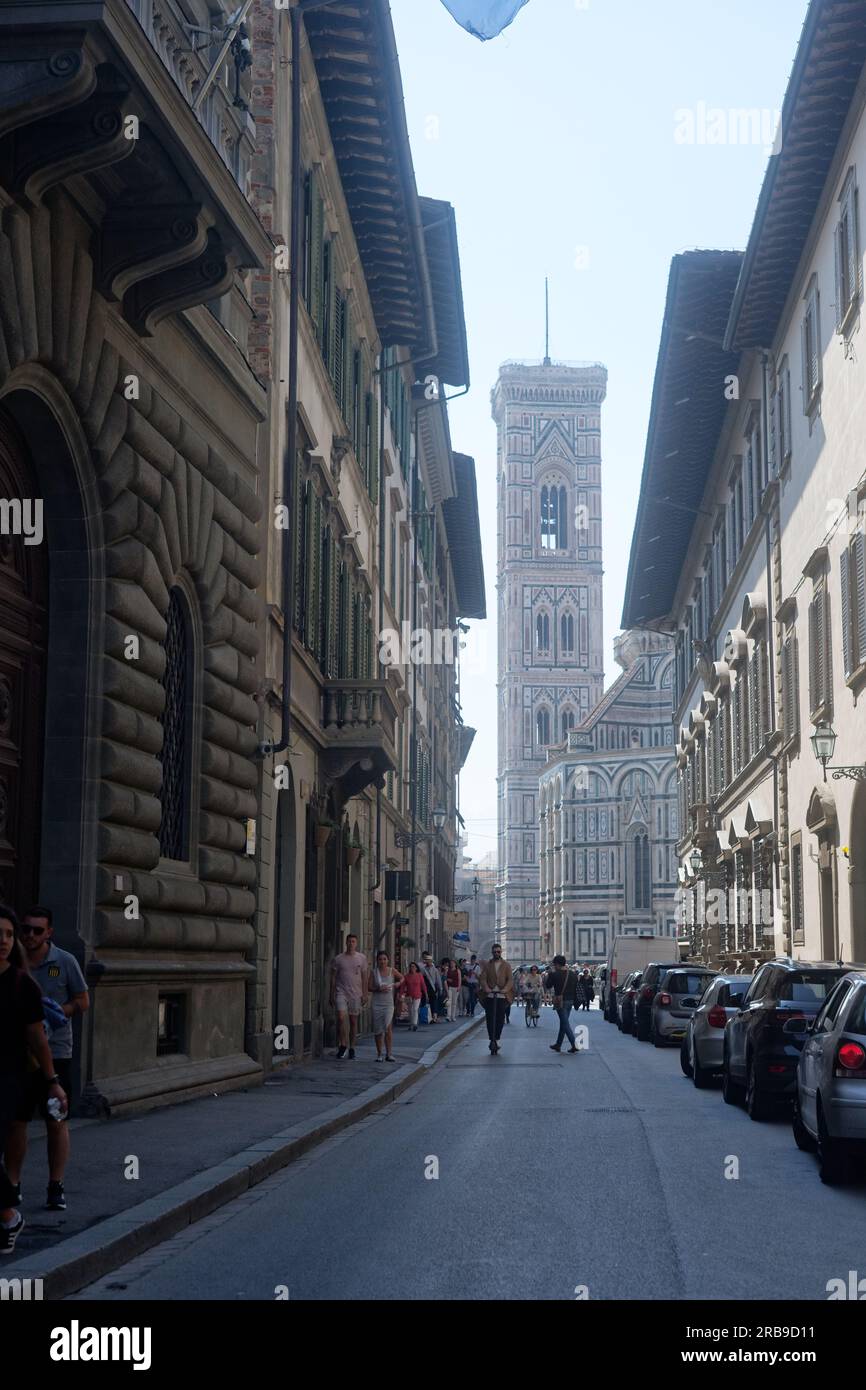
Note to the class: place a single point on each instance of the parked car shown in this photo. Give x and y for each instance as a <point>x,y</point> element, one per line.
<point>625,1001</point>
<point>627,953</point>
<point>676,1000</point>
<point>702,1047</point>
<point>764,1038</point>
<point>829,1113</point>
<point>654,973</point>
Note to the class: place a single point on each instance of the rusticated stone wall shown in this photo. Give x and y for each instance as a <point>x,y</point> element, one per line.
<point>172,510</point>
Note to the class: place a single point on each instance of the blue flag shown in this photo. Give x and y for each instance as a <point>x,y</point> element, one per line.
<point>484,18</point>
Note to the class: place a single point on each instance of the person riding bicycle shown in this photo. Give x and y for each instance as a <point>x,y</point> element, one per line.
<point>533,986</point>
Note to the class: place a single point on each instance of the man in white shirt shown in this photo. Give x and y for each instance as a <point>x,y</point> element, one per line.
<point>348,992</point>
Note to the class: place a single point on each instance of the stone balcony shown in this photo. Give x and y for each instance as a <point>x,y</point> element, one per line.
<point>359,720</point>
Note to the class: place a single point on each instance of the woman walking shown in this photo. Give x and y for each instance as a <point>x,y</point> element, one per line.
<point>414,986</point>
<point>587,988</point>
<point>22,1035</point>
<point>454,982</point>
<point>383,980</point>
<point>564,984</point>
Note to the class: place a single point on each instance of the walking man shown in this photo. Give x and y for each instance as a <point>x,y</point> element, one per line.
<point>434,983</point>
<point>473,974</point>
<point>496,990</point>
<point>564,984</point>
<point>58,975</point>
<point>348,993</point>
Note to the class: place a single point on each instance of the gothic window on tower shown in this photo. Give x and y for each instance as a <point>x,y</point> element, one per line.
<point>542,632</point>
<point>542,728</point>
<point>567,633</point>
<point>640,872</point>
<point>567,722</point>
<point>554,518</point>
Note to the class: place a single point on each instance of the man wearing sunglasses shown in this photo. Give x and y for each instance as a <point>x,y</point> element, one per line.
<point>59,976</point>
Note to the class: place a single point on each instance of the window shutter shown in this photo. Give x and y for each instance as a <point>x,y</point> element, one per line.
<point>815,338</point>
<point>374,448</point>
<point>317,209</point>
<point>839,261</point>
<point>814,667</point>
<point>855,269</point>
<point>788,690</point>
<point>300,567</point>
<point>846,613</point>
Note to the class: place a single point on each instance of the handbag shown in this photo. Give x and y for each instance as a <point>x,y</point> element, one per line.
<point>423,1014</point>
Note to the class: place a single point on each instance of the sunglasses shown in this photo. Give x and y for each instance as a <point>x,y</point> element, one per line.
<point>27,930</point>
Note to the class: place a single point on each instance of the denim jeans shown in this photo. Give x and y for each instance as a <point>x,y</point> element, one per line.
<point>565,1029</point>
<point>495,1010</point>
<point>473,994</point>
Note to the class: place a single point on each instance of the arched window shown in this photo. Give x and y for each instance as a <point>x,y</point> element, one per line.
<point>542,632</point>
<point>176,719</point>
<point>542,727</point>
<point>567,632</point>
<point>549,512</point>
<point>562,522</point>
<point>567,721</point>
<point>640,872</point>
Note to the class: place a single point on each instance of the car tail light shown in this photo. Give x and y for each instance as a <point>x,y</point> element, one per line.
<point>851,1056</point>
<point>777,1068</point>
<point>665,1000</point>
<point>647,992</point>
<point>717,1018</point>
<point>613,977</point>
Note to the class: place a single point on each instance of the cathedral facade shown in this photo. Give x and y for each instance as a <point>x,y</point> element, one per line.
<point>550,619</point>
<point>608,813</point>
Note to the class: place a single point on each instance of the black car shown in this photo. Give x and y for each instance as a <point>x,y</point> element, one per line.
<point>764,1038</point>
<point>625,1001</point>
<point>653,975</point>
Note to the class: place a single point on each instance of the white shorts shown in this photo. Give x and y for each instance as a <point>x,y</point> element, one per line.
<point>347,1003</point>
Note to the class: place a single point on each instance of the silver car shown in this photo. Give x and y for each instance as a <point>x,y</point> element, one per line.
<point>677,998</point>
<point>829,1114</point>
<point>702,1048</point>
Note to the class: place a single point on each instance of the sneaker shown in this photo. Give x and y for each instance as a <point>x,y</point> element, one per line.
<point>9,1235</point>
<point>55,1198</point>
<point>351,1054</point>
<point>341,1052</point>
<point>574,1049</point>
<point>554,1048</point>
<point>389,1058</point>
<point>379,1057</point>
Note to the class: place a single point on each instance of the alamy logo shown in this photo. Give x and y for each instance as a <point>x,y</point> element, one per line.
<point>77,1343</point>
<point>22,516</point>
<point>21,1290</point>
<point>854,1288</point>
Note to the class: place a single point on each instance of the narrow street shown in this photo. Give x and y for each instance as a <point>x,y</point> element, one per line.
<point>604,1170</point>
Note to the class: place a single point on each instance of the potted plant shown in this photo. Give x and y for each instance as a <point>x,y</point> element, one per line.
<point>323,831</point>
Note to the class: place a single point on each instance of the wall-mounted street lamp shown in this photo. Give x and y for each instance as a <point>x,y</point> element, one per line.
<point>823,743</point>
<point>406,839</point>
<point>696,860</point>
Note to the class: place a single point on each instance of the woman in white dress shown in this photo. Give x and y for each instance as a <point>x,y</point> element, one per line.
<point>383,981</point>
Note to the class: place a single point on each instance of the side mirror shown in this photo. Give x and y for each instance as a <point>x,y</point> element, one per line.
<point>798,1025</point>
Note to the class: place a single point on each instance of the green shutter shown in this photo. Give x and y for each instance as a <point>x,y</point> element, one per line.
<point>298,523</point>
<point>375,454</point>
<point>317,235</point>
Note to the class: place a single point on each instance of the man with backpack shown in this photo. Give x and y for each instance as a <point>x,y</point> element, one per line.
<point>564,985</point>
<point>58,975</point>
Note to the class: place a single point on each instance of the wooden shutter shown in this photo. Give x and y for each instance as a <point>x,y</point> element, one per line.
<point>838,263</point>
<point>846,613</point>
<point>827,650</point>
<point>317,238</point>
<point>375,449</point>
<point>855,265</point>
<point>756,710</point>
<point>816,338</point>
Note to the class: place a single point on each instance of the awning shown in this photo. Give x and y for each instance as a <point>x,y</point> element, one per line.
<point>463,530</point>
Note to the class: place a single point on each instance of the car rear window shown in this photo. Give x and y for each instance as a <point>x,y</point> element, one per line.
<point>856,1020</point>
<point>736,987</point>
<point>687,984</point>
<point>809,989</point>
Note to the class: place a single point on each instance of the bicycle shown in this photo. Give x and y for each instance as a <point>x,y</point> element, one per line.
<point>531,1010</point>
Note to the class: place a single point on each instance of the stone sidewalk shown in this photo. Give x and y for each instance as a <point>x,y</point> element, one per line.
<point>192,1157</point>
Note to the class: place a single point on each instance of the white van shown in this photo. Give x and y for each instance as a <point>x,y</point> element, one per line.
<point>627,953</point>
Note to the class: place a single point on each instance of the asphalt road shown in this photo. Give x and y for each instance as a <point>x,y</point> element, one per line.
<point>603,1171</point>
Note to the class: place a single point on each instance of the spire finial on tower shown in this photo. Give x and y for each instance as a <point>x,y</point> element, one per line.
<point>546,323</point>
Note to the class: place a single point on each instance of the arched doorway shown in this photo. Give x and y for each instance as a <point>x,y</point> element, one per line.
<point>23,650</point>
<point>857,873</point>
<point>821,820</point>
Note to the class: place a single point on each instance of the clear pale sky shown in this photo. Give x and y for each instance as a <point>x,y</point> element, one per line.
<point>556,144</point>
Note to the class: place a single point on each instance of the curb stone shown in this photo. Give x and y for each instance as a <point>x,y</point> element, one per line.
<point>90,1255</point>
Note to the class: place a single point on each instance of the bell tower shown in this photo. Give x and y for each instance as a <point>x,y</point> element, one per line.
<point>549,599</point>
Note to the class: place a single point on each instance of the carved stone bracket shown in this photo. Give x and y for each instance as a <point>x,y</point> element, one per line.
<point>206,277</point>
<point>135,242</point>
<point>41,76</point>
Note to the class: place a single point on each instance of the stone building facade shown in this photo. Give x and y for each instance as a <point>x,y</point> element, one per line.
<point>129,640</point>
<point>203,880</point>
<point>763,587</point>
<point>550,619</point>
<point>608,813</point>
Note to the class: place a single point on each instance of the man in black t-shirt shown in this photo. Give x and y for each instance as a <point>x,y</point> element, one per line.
<point>563,982</point>
<point>22,1036</point>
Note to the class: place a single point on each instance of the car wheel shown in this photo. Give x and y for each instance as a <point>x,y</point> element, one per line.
<point>684,1058</point>
<point>757,1103</point>
<point>832,1155</point>
<point>732,1091</point>
<point>802,1137</point>
<point>701,1076</point>
<point>655,1037</point>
